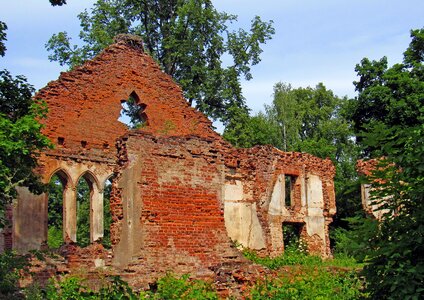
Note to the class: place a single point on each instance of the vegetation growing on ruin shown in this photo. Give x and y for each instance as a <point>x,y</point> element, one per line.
<point>313,279</point>
<point>385,121</point>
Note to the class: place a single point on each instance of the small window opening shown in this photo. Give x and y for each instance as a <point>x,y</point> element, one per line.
<point>133,112</point>
<point>292,236</point>
<point>84,144</point>
<point>105,145</point>
<point>289,184</point>
<point>61,141</point>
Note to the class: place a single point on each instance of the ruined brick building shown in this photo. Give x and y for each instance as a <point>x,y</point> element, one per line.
<point>180,193</point>
<point>371,205</point>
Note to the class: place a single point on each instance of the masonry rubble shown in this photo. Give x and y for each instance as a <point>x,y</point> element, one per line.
<point>181,195</point>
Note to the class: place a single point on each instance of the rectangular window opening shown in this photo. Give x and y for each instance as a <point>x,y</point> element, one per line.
<point>61,141</point>
<point>292,235</point>
<point>289,185</point>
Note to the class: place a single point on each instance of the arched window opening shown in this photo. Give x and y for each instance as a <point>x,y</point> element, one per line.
<point>57,186</point>
<point>107,216</point>
<point>133,112</point>
<point>84,192</point>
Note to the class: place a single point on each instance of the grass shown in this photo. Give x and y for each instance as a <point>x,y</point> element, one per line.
<point>309,277</point>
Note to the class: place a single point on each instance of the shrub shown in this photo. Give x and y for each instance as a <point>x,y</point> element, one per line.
<point>116,288</point>
<point>11,265</point>
<point>69,287</point>
<point>310,283</point>
<point>290,257</point>
<point>355,241</point>
<point>171,287</point>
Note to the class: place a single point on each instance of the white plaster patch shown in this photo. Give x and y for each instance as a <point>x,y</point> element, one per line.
<point>242,223</point>
<point>234,192</point>
<point>315,225</point>
<point>314,192</point>
<point>276,205</point>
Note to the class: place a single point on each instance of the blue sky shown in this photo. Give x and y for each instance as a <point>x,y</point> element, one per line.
<point>315,41</point>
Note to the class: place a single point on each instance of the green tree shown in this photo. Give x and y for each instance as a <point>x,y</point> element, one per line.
<point>20,138</point>
<point>188,38</point>
<point>3,28</point>
<point>389,119</point>
<point>246,131</point>
<point>57,2</point>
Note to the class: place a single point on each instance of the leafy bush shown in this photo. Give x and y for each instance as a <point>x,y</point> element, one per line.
<point>54,237</point>
<point>117,289</point>
<point>290,257</point>
<point>355,241</point>
<point>171,287</point>
<point>11,265</point>
<point>310,283</point>
<point>168,287</point>
<point>70,288</point>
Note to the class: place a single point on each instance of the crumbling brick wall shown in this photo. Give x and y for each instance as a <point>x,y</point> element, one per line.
<point>370,204</point>
<point>259,171</point>
<point>169,215</point>
<point>179,191</point>
<point>84,105</point>
<point>171,195</point>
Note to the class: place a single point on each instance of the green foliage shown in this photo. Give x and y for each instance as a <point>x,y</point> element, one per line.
<point>355,240</point>
<point>68,287</point>
<point>20,138</point>
<point>55,213</point>
<point>57,2</point>
<point>295,255</point>
<point>168,287</point>
<point>310,277</point>
<point>3,28</point>
<point>117,289</point>
<point>34,292</point>
<point>389,97</point>
<point>54,237</point>
<point>107,217</point>
<point>393,131</point>
<point>396,265</point>
<point>290,257</point>
<point>245,131</point>
<point>171,287</point>
<point>187,38</point>
<point>83,213</point>
<point>11,265</point>
<point>310,283</point>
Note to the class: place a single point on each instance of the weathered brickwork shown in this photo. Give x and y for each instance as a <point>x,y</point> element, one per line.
<point>178,221</point>
<point>182,197</point>
<point>260,169</point>
<point>370,205</point>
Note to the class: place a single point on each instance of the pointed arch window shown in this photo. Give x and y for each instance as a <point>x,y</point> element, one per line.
<point>133,112</point>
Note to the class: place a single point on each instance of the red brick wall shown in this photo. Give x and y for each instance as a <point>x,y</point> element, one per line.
<point>181,217</point>
<point>85,103</point>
